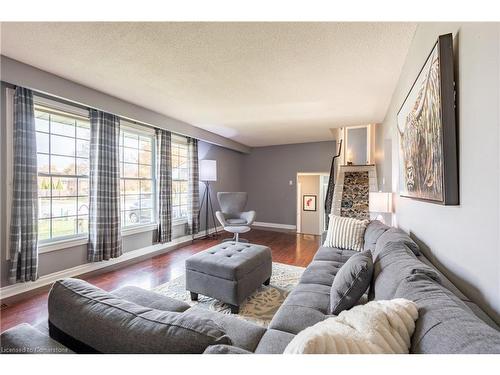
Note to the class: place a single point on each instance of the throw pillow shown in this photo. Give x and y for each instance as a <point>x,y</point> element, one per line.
<point>351,282</point>
<point>345,233</point>
<point>375,328</point>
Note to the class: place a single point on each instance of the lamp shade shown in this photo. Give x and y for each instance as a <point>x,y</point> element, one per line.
<point>380,202</point>
<point>208,170</point>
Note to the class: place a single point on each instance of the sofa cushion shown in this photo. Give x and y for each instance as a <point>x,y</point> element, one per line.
<point>333,254</point>
<point>236,221</point>
<point>108,324</point>
<point>321,272</point>
<point>293,318</point>
<point>230,260</point>
<point>395,235</point>
<point>24,339</point>
<point>242,333</point>
<point>306,305</point>
<point>372,233</point>
<point>274,342</point>
<point>445,324</point>
<point>392,265</point>
<point>444,281</point>
<point>150,299</point>
<point>351,282</point>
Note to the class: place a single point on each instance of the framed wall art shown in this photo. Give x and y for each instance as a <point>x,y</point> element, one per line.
<point>309,202</point>
<point>428,160</point>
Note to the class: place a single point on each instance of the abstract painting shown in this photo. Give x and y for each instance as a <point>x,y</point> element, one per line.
<point>427,131</point>
<point>309,202</point>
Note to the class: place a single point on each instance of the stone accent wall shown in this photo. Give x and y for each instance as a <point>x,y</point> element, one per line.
<point>355,182</point>
<point>355,195</point>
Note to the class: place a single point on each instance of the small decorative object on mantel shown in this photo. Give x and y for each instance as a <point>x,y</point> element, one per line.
<point>427,131</point>
<point>309,202</point>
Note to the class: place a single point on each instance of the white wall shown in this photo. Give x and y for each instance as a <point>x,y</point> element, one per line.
<point>463,241</point>
<point>356,145</point>
<point>310,220</point>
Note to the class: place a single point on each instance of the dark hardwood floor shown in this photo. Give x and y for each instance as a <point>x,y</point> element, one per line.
<point>289,248</point>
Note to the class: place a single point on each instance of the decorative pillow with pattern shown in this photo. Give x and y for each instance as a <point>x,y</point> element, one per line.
<point>346,233</point>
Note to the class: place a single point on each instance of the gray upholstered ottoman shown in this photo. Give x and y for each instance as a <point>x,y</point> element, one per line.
<point>229,272</point>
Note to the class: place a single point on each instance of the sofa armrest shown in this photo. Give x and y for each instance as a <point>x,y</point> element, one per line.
<point>249,216</point>
<point>225,349</point>
<point>92,320</point>
<point>220,216</point>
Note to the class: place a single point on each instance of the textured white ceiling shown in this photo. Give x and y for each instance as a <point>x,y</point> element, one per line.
<point>256,83</point>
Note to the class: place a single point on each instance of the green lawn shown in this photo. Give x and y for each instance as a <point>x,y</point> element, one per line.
<point>61,228</point>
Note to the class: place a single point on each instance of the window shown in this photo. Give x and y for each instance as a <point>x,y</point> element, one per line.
<point>63,168</point>
<point>137,177</point>
<point>180,178</point>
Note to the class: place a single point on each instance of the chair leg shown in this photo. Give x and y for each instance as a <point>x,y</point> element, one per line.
<point>237,237</point>
<point>232,239</point>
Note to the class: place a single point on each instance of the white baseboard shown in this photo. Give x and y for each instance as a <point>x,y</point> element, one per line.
<point>274,225</point>
<point>15,289</point>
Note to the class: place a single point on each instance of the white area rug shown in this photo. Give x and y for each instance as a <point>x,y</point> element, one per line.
<point>259,308</point>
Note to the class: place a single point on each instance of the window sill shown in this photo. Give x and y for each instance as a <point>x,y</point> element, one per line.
<point>128,231</point>
<point>179,222</point>
<point>79,241</point>
<point>62,244</point>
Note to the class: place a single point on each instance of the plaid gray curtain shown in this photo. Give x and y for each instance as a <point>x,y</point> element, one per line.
<point>104,187</point>
<point>164,185</point>
<point>24,219</point>
<point>194,187</point>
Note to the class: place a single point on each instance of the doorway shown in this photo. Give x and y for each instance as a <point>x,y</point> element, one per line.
<point>311,193</point>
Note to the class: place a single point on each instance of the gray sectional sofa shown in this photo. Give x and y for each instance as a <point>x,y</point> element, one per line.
<point>84,318</point>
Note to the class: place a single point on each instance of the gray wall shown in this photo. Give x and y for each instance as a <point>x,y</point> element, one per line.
<point>356,144</point>
<point>463,241</point>
<point>229,175</point>
<point>268,170</point>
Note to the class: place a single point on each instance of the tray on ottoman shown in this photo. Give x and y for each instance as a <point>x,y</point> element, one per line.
<point>229,272</point>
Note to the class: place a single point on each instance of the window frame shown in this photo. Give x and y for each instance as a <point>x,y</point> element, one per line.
<point>61,243</point>
<point>181,140</point>
<point>143,131</point>
<point>60,109</point>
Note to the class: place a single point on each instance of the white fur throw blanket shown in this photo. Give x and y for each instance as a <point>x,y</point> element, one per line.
<point>376,327</point>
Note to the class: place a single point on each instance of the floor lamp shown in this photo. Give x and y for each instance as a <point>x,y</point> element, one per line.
<point>208,173</point>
